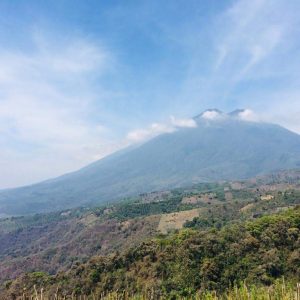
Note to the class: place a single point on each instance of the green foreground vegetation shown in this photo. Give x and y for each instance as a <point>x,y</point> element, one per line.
<point>239,261</point>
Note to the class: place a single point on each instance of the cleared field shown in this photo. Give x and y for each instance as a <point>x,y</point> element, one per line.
<point>247,207</point>
<point>267,197</point>
<point>176,220</point>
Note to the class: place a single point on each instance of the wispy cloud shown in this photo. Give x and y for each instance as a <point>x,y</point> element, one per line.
<point>183,123</point>
<point>239,56</point>
<point>141,135</point>
<point>253,62</point>
<point>45,104</point>
<point>251,31</point>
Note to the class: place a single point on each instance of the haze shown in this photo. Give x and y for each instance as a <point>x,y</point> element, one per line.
<point>82,79</point>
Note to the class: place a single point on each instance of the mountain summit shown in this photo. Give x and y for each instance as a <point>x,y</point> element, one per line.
<point>211,113</point>
<point>232,148</point>
<point>216,114</point>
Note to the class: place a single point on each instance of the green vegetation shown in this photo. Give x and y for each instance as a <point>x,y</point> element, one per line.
<point>191,262</point>
<point>242,232</point>
<point>136,209</point>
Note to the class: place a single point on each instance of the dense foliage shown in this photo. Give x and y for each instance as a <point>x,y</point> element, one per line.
<point>189,261</point>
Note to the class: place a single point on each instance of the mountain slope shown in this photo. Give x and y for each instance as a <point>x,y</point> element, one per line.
<point>220,147</point>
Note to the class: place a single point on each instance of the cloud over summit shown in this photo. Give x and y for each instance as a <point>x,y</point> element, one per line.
<point>140,135</point>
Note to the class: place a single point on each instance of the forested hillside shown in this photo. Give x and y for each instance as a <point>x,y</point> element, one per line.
<point>49,242</point>
<point>185,263</point>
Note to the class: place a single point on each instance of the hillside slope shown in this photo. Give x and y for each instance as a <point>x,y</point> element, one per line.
<point>221,149</point>
<point>256,252</point>
<point>57,241</point>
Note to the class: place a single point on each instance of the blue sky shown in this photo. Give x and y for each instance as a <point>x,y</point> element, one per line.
<point>81,79</point>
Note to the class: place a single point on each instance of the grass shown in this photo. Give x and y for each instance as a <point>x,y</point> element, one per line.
<point>279,291</point>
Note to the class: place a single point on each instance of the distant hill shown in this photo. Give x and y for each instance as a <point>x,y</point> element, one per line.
<point>221,147</point>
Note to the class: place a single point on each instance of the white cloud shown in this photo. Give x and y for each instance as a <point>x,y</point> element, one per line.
<point>211,115</point>
<point>250,32</point>
<point>155,129</point>
<point>140,135</point>
<point>256,60</point>
<point>248,115</point>
<point>188,123</point>
<point>46,99</point>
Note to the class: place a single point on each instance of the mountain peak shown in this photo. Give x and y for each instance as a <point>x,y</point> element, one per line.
<point>244,114</point>
<point>210,114</point>
<point>238,111</point>
<point>222,147</point>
